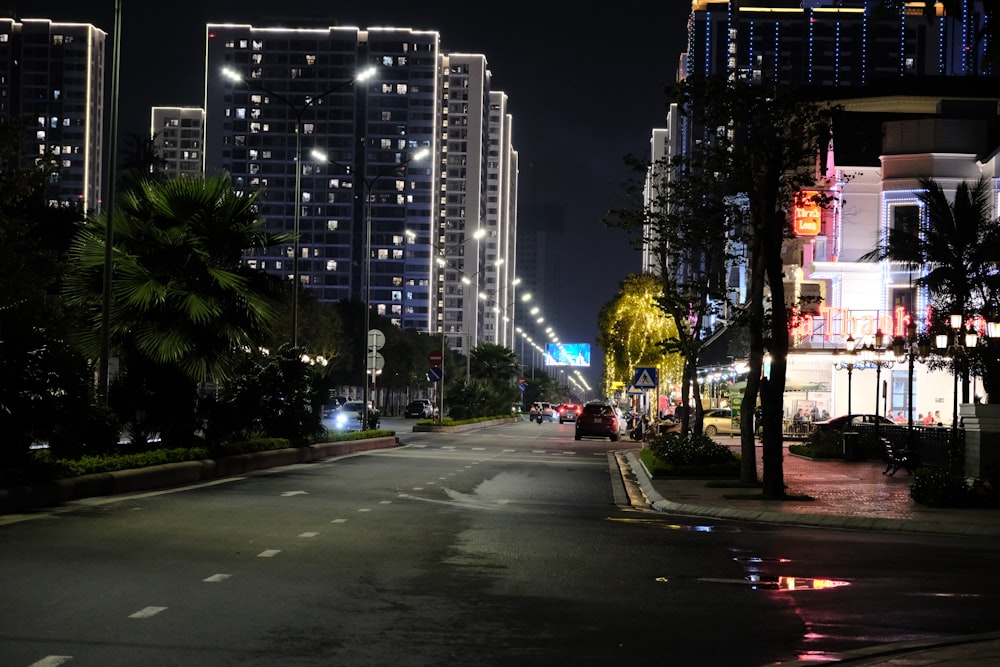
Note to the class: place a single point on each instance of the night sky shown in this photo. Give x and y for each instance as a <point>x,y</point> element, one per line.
<point>585,89</point>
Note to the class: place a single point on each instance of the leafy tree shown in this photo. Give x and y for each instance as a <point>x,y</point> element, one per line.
<point>490,389</point>
<point>46,392</point>
<point>724,201</point>
<point>955,247</point>
<point>634,330</point>
<point>776,137</point>
<point>184,307</point>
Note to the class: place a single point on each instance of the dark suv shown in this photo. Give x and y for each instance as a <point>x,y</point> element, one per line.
<point>598,419</point>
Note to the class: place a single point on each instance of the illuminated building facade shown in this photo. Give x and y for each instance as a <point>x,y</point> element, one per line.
<point>52,76</point>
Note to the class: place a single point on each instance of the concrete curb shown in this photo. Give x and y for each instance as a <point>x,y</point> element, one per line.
<point>23,498</point>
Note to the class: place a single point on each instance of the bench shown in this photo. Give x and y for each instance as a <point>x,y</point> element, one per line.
<point>896,458</point>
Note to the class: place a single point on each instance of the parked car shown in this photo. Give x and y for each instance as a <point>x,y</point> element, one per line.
<point>348,416</point>
<point>568,412</point>
<point>598,419</point>
<point>847,422</point>
<point>719,420</point>
<point>421,408</point>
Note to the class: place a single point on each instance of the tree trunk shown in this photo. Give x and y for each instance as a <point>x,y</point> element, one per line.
<point>773,481</point>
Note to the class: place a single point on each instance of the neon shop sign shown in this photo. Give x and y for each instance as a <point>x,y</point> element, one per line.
<point>831,322</point>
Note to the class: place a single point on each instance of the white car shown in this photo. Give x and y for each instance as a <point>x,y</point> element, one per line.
<point>348,416</point>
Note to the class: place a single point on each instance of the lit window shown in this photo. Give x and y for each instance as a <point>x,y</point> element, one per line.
<point>241,113</point>
<point>387,61</point>
<point>332,225</point>
<point>331,265</point>
<point>310,59</point>
<point>401,89</point>
<point>40,135</point>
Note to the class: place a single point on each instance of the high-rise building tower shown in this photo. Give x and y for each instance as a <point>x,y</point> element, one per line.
<point>178,134</point>
<point>297,123</point>
<point>502,282</point>
<point>831,42</point>
<point>52,77</point>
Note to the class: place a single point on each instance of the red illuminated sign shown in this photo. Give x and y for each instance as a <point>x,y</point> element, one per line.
<point>806,214</point>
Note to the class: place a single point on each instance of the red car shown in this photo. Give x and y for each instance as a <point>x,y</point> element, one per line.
<point>568,412</point>
<point>598,419</point>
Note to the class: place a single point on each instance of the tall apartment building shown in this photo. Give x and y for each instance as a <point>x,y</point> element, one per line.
<point>501,291</point>
<point>296,101</point>
<point>178,135</point>
<point>52,76</point>
<point>374,222</point>
<point>830,42</point>
<point>462,270</point>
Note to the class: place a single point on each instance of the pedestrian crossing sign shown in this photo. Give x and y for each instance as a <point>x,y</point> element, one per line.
<point>645,378</point>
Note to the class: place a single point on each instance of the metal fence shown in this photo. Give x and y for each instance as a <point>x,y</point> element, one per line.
<point>928,445</point>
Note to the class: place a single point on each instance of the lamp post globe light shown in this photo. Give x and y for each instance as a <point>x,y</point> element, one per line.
<point>298,110</point>
<point>371,337</point>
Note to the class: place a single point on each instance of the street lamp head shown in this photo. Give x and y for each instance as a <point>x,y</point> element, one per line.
<point>971,337</point>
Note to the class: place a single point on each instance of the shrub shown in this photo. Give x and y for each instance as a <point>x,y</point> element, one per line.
<point>692,454</point>
<point>940,486</point>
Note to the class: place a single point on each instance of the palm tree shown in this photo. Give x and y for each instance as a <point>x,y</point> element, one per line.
<point>495,363</point>
<point>184,307</point>
<point>955,244</point>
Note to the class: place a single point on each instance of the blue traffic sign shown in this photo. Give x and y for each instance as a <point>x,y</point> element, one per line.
<point>435,374</point>
<point>645,378</point>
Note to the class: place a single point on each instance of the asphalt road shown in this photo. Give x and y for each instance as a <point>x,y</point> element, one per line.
<point>513,545</point>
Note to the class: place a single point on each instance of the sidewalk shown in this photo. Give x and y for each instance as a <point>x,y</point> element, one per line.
<point>855,496</point>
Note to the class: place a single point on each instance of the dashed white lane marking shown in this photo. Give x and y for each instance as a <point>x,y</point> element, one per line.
<point>288,494</point>
<point>147,612</point>
<point>508,451</point>
<point>539,451</point>
<point>339,521</point>
<point>269,553</point>
<point>385,502</point>
<point>308,534</point>
<point>430,483</point>
<point>52,661</point>
<point>364,509</point>
<point>479,449</point>
<point>216,578</point>
<point>448,447</point>
<point>418,488</point>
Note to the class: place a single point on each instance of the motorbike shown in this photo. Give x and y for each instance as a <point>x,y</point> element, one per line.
<point>539,417</point>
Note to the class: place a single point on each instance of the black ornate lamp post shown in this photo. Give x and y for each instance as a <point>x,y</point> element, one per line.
<point>874,354</point>
<point>912,349</point>
<point>956,345</point>
<point>850,358</point>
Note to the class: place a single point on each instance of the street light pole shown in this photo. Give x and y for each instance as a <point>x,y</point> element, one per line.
<point>299,112</point>
<point>443,252</point>
<point>369,386</point>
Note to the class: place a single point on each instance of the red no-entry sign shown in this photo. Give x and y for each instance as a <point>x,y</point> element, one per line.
<point>435,357</point>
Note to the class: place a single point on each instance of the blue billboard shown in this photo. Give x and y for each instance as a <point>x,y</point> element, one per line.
<point>567,354</point>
